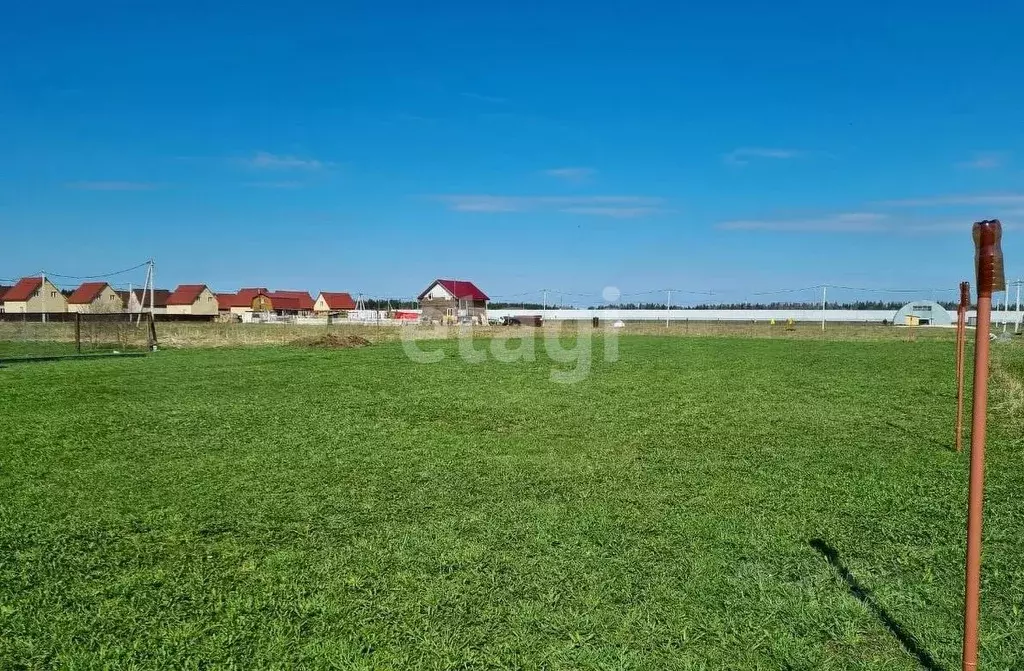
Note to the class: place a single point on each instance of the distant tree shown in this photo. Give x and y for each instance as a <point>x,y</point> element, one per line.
<point>394,303</point>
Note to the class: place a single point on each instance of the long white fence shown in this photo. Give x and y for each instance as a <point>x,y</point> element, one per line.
<point>863,316</point>
<point>849,316</point>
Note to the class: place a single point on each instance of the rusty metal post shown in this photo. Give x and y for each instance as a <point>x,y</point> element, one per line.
<point>961,342</point>
<point>151,335</point>
<point>989,267</point>
<point>78,332</point>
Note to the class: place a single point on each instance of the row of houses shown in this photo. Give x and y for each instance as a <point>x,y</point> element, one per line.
<point>443,300</point>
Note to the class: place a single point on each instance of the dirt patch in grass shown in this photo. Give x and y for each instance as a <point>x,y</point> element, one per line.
<point>333,341</point>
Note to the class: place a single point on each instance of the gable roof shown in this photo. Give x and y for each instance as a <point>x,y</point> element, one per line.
<point>304,300</point>
<point>460,289</point>
<point>245,296</point>
<point>185,294</point>
<point>226,301</point>
<point>160,297</point>
<point>87,293</point>
<point>338,300</point>
<point>3,290</point>
<point>23,290</point>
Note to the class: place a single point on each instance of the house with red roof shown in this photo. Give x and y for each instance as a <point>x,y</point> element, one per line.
<point>34,294</point>
<point>453,301</point>
<point>95,297</point>
<point>192,299</point>
<point>333,303</point>
<point>242,301</point>
<point>224,303</point>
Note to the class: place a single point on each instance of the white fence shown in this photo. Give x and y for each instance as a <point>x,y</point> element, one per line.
<point>855,316</point>
<point>864,316</point>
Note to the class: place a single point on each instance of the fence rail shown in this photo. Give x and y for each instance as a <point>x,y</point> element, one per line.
<point>112,317</point>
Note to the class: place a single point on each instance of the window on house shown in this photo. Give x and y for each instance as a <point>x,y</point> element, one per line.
<point>53,294</point>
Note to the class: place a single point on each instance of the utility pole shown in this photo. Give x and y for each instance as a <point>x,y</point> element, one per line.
<point>1017,326</point>
<point>668,307</point>
<point>42,295</point>
<point>152,286</point>
<point>1006,307</point>
<point>545,303</point>
<point>824,295</point>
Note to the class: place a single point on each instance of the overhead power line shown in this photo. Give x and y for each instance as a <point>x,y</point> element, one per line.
<point>100,276</point>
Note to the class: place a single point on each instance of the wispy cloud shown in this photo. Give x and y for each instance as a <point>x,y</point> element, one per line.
<point>850,222</point>
<point>745,155</point>
<point>494,100</point>
<point>264,160</point>
<point>111,186</point>
<point>616,212</point>
<point>607,206</point>
<point>985,160</point>
<point>275,185</point>
<point>574,175</point>
<point>992,199</point>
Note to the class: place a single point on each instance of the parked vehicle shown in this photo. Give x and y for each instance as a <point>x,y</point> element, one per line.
<point>523,320</point>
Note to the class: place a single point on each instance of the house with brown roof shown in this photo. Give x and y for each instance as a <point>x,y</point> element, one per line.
<point>192,299</point>
<point>333,303</point>
<point>450,301</point>
<point>138,300</point>
<point>284,303</point>
<point>34,295</point>
<point>95,297</point>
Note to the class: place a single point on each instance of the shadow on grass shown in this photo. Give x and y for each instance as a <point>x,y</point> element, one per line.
<point>864,595</point>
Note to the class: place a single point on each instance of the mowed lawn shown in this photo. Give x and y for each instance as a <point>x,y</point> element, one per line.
<point>698,504</point>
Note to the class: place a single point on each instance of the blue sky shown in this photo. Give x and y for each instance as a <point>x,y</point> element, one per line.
<point>370,147</point>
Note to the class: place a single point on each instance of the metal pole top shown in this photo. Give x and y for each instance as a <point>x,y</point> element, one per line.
<point>988,256</point>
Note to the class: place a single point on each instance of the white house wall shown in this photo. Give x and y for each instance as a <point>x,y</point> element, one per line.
<point>438,291</point>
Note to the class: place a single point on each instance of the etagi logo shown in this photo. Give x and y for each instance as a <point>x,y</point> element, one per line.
<point>567,344</point>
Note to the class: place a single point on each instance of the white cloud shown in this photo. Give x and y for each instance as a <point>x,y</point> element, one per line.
<point>611,206</point>
<point>275,185</point>
<point>958,200</point>
<point>575,175</point>
<point>112,186</point>
<point>851,222</point>
<point>615,212</point>
<point>985,160</point>
<point>744,155</point>
<point>264,160</point>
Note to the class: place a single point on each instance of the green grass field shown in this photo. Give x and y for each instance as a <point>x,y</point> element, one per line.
<point>699,504</point>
